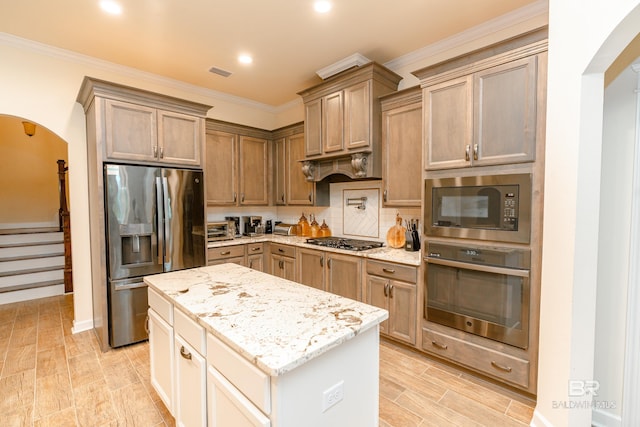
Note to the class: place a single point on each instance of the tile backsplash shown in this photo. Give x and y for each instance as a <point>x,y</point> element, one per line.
<point>371,223</point>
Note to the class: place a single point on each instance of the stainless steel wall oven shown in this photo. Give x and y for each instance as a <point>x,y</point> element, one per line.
<point>482,290</point>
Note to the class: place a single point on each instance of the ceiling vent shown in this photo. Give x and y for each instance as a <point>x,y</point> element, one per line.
<point>220,71</point>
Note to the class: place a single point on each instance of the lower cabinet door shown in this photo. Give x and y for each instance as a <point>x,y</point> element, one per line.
<point>161,359</point>
<point>191,387</point>
<point>227,406</point>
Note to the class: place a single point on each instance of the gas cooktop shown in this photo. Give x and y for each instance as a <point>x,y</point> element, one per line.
<point>344,243</point>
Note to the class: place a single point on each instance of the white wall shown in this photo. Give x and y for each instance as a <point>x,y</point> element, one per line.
<point>613,249</point>
<point>581,47</point>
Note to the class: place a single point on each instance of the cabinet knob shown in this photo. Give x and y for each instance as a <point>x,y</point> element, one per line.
<point>438,345</point>
<point>322,261</point>
<point>235,197</point>
<point>242,198</point>
<point>386,290</point>
<point>500,367</point>
<point>467,152</point>
<point>329,263</point>
<point>384,196</point>
<point>310,198</point>
<point>250,263</point>
<point>282,197</point>
<point>475,151</point>
<point>390,291</point>
<point>184,353</point>
<point>155,151</point>
<point>161,152</point>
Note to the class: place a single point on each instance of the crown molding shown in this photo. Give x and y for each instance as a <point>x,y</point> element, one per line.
<point>525,13</point>
<point>77,58</point>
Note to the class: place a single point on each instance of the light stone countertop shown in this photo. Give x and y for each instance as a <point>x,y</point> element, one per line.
<point>274,323</point>
<point>384,253</point>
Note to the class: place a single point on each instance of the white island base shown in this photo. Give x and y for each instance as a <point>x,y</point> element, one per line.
<point>346,376</point>
<point>233,347</point>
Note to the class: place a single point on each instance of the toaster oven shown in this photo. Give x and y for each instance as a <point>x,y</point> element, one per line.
<point>220,230</point>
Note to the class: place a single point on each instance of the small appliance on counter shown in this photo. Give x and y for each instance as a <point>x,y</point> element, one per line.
<point>283,229</point>
<point>236,223</point>
<point>268,227</point>
<point>252,225</point>
<point>220,230</point>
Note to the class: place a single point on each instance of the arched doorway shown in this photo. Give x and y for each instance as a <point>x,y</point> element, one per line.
<point>34,262</point>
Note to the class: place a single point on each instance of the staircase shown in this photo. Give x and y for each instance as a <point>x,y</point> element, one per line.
<point>31,264</point>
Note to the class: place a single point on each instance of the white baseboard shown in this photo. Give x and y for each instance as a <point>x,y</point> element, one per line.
<point>600,418</point>
<point>81,326</point>
<point>539,420</point>
<point>29,294</point>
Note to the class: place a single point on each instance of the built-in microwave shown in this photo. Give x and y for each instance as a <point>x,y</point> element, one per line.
<point>484,207</point>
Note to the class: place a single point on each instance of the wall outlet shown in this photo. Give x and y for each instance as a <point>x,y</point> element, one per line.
<point>332,395</point>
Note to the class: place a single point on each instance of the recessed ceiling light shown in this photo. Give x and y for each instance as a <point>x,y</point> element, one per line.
<point>322,6</point>
<point>245,59</point>
<point>111,7</point>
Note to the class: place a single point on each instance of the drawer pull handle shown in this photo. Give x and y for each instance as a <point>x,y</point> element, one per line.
<point>438,345</point>
<point>184,353</point>
<point>255,249</point>
<point>389,270</point>
<point>500,367</point>
<point>280,250</point>
<point>225,253</point>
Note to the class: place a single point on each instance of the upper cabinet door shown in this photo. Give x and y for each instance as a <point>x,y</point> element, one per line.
<point>299,190</point>
<point>313,127</point>
<point>179,137</point>
<point>332,125</point>
<point>357,115</point>
<point>505,113</point>
<point>254,171</point>
<point>402,155</point>
<point>448,124</point>
<point>131,132</point>
<point>221,167</point>
<point>280,171</point>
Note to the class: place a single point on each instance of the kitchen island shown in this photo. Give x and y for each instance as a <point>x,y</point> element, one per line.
<point>231,346</point>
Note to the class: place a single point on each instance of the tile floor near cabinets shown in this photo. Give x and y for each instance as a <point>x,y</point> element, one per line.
<point>49,377</point>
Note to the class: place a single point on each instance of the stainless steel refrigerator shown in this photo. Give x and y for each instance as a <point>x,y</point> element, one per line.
<point>155,222</point>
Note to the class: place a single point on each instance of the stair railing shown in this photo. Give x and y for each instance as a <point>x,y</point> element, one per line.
<point>65,225</point>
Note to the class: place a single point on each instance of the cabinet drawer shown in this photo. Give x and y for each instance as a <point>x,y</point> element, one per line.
<point>160,305</point>
<point>191,331</point>
<point>491,362</point>
<point>284,250</point>
<point>393,271</point>
<point>255,248</point>
<point>251,381</point>
<point>237,260</point>
<point>225,252</point>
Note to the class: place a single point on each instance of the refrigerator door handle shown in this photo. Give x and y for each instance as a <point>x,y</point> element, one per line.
<point>160,208</point>
<point>168,235</point>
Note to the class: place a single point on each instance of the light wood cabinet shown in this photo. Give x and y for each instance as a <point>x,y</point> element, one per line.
<point>290,185</point>
<point>488,117</point>
<point>311,265</point>
<point>283,261</point>
<point>130,126</point>
<point>344,275</point>
<point>224,254</point>
<point>139,133</point>
<point>238,165</point>
<point>394,288</point>
<point>255,256</point>
<point>402,148</point>
<point>331,272</point>
<point>342,119</point>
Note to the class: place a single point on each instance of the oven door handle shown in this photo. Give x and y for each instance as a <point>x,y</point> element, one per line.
<point>478,267</point>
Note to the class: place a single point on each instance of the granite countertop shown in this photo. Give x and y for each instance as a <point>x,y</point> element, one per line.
<point>384,253</point>
<point>274,323</point>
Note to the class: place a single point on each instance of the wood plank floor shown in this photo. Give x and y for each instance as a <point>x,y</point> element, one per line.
<point>49,377</point>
